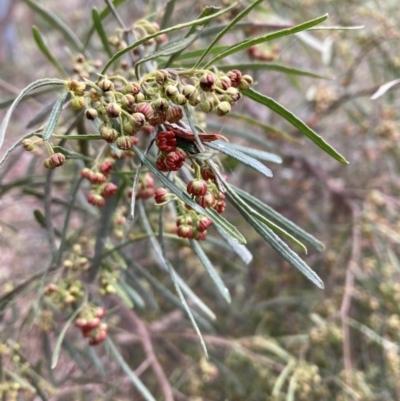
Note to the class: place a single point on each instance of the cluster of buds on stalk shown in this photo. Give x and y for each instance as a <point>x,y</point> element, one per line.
<point>108,280</point>
<point>192,225</point>
<point>145,188</point>
<point>84,68</point>
<point>67,291</point>
<point>140,29</point>
<point>76,262</point>
<point>89,321</point>
<point>102,188</point>
<point>119,221</point>
<point>171,158</point>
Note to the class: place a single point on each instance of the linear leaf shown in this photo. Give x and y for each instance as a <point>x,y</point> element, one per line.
<point>256,153</point>
<point>279,219</point>
<point>56,22</point>
<point>98,26</point>
<point>29,88</point>
<point>169,11</point>
<point>200,21</point>
<point>167,294</point>
<point>54,116</point>
<point>224,147</point>
<point>57,348</point>
<point>270,224</point>
<point>211,213</point>
<point>276,243</point>
<point>211,270</point>
<point>271,67</point>
<point>103,14</point>
<point>46,51</point>
<point>199,52</point>
<point>131,375</point>
<point>226,29</point>
<point>270,36</point>
<point>295,121</point>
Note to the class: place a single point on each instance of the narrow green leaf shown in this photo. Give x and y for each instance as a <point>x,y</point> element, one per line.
<point>8,101</point>
<point>271,67</point>
<point>270,224</point>
<point>57,23</point>
<point>103,14</point>
<point>256,153</point>
<point>168,295</point>
<point>295,121</point>
<point>168,13</point>
<point>194,23</point>
<point>287,224</point>
<point>276,243</point>
<point>46,51</point>
<point>56,352</point>
<point>54,116</point>
<point>208,11</point>
<point>211,213</point>
<point>70,154</point>
<point>168,50</point>
<point>29,88</point>
<point>225,30</point>
<point>211,270</point>
<point>271,36</point>
<point>143,390</point>
<point>98,26</point>
<point>224,147</point>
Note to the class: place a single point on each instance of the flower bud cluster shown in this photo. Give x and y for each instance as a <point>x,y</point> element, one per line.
<point>84,68</point>
<point>101,187</point>
<point>89,321</point>
<point>192,225</point>
<point>68,291</point>
<point>76,262</point>
<point>108,280</point>
<point>145,189</point>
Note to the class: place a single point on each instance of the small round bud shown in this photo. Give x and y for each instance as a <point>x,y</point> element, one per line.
<point>171,91</point>
<point>162,76</point>
<point>55,160</point>
<point>78,102</point>
<point>113,110</point>
<point>96,200</point>
<point>206,106</point>
<point>206,172</point>
<point>138,119</point>
<point>100,312</point>
<point>109,134</point>
<point>128,101</point>
<point>160,105</point>
<point>208,82</point>
<point>106,85</point>
<point>236,77</point>
<point>203,223</point>
<point>28,144</point>
<point>174,114</point>
<point>161,39</point>
<point>197,187</point>
<point>185,231</point>
<point>233,94</point>
<point>246,82</point>
<point>91,114</point>
<point>109,190</point>
<point>180,99</point>
<point>98,178</point>
<point>94,96</point>
<point>87,173</point>
<point>223,108</point>
<point>190,92</point>
<point>208,200</point>
<point>132,88</point>
<point>124,142</point>
<point>161,196</point>
<point>106,166</point>
<point>224,82</point>
<point>80,58</point>
<point>195,101</point>
<point>140,97</point>
<point>145,109</point>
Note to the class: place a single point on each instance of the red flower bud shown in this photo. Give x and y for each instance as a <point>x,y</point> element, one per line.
<point>124,142</point>
<point>199,235</point>
<point>220,206</point>
<point>106,166</point>
<point>166,141</point>
<point>203,223</point>
<point>87,173</point>
<point>109,190</point>
<point>236,77</point>
<point>208,82</point>
<point>96,200</point>
<point>174,114</point>
<point>197,187</point>
<point>161,195</point>
<point>206,172</point>
<point>100,312</point>
<point>185,231</point>
<point>98,178</point>
<point>145,109</point>
<point>208,200</point>
<point>55,160</point>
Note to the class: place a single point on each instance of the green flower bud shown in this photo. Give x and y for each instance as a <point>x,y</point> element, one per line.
<point>108,134</point>
<point>246,82</point>
<point>106,85</point>
<point>28,144</point>
<point>113,110</point>
<point>162,76</point>
<point>206,106</point>
<point>190,92</point>
<point>133,88</point>
<point>171,91</point>
<point>78,103</point>
<point>160,105</point>
<point>223,108</point>
<point>128,101</point>
<point>140,98</point>
<point>91,114</point>
<point>180,99</point>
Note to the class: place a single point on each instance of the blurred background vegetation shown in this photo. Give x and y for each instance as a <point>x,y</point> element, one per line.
<point>280,338</point>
